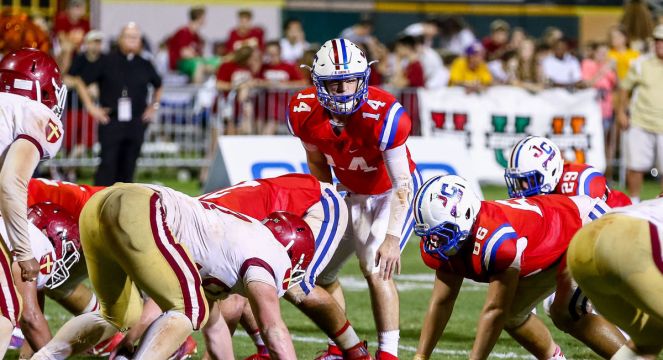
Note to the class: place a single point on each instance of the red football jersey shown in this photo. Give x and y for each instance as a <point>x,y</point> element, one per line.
<point>381,123</point>
<point>71,197</point>
<point>294,193</point>
<point>547,222</point>
<point>583,179</point>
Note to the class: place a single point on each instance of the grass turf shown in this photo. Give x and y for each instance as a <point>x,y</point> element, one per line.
<point>415,284</point>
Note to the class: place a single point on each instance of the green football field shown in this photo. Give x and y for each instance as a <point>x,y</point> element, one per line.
<point>415,284</point>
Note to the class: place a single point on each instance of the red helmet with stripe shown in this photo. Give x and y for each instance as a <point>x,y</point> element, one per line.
<point>62,231</point>
<point>34,74</point>
<point>297,238</point>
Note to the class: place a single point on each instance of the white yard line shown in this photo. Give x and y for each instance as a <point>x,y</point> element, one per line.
<point>410,349</point>
<point>408,282</point>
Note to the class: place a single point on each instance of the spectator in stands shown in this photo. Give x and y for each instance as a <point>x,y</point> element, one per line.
<point>525,67</point>
<point>80,132</point>
<point>236,79</point>
<point>518,35</point>
<point>408,71</point>
<point>70,27</point>
<point>428,30</point>
<point>644,138</point>
<point>470,71</point>
<point>294,43</point>
<point>638,23</point>
<point>307,59</point>
<point>124,79</point>
<point>185,49</point>
<point>277,77</point>
<point>598,71</point>
<point>561,69</point>
<point>620,50</point>
<point>499,68</point>
<point>551,35</point>
<point>361,32</point>
<point>455,36</point>
<point>245,34</point>
<point>497,43</point>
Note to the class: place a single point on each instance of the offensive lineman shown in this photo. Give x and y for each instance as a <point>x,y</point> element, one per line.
<point>32,97</point>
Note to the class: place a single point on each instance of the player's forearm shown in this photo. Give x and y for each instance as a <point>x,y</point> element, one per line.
<point>398,169</point>
<point>20,162</point>
<point>321,171</point>
<point>440,308</point>
<point>491,323</point>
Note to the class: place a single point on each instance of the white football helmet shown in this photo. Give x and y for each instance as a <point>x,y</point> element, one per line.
<point>535,167</point>
<point>445,209</point>
<point>340,60</point>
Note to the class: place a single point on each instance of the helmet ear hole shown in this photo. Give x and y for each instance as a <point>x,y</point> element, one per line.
<point>467,214</point>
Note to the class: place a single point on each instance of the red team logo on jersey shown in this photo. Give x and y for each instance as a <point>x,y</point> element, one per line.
<point>53,132</point>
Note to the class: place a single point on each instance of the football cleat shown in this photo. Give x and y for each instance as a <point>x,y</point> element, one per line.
<point>383,355</point>
<point>358,352</point>
<point>333,352</point>
<point>188,348</point>
<point>558,355</point>
<point>104,348</point>
<point>262,354</point>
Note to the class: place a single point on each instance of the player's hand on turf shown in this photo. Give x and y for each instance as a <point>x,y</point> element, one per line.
<point>388,257</point>
<point>29,269</point>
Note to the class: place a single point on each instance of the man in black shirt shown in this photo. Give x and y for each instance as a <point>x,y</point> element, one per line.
<point>124,78</point>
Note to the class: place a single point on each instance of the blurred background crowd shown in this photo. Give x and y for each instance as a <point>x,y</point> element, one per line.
<point>247,76</point>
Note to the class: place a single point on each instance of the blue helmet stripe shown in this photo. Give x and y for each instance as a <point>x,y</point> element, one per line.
<point>345,54</point>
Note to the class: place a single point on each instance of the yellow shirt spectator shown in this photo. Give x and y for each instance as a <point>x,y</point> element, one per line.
<point>461,74</point>
<point>623,60</point>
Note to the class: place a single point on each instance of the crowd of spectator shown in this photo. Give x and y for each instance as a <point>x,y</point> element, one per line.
<point>434,53</point>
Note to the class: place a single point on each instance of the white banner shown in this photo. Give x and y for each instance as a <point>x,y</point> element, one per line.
<point>489,124</point>
<point>241,158</point>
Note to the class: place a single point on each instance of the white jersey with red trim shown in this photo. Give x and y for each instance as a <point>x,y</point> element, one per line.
<point>230,249</point>
<point>649,210</point>
<point>42,249</point>
<point>24,118</point>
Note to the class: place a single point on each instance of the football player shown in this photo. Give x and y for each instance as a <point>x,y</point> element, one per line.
<point>57,249</point>
<point>32,97</point>
<point>323,209</point>
<point>516,246</point>
<point>175,249</point>
<point>360,132</point>
<point>617,260</point>
<point>72,294</point>
<point>536,167</point>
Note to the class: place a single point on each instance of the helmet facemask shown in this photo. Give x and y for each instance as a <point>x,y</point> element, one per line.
<point>66,257</point>
<point>342,104</point>
<point>525,184</point>
<point>443,240</point>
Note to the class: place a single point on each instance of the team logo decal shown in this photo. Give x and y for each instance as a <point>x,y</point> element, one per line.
<point>569,134</point>
<point>503,137</point>
<point>46,264</point>
<point>457,126</point>
<point>53,132</point>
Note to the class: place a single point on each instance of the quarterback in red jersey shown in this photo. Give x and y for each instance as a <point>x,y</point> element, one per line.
<point>517,246</point>
<point>536,167</point>
<point>360,132</point>
<point>326,214</point>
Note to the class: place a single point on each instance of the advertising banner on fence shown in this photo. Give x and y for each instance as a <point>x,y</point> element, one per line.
<point>240,158</point>
<point>489,124</point>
